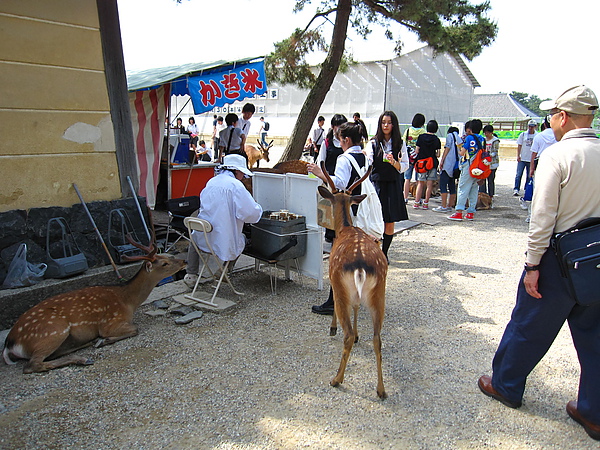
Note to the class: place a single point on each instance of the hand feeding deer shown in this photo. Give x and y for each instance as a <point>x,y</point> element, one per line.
<point>357,273</point>
<point>256,154</point>
<point>59,325</point>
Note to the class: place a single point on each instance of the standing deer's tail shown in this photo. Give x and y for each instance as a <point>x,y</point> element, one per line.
<point>360,277</point>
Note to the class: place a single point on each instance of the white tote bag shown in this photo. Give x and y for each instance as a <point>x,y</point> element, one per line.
<point>369,216</point>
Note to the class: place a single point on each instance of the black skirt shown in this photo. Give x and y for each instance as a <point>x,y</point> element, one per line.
<point>391,197</point>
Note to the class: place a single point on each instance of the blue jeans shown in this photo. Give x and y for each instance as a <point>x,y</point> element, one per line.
<point>263,138</point>
<point>521,166</point>
<point>467,190</point>
<point>534,325</point>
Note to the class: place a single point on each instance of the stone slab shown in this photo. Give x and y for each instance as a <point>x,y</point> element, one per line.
<point>189,317</point>
<point>166,290</point>
<point>156,312</point>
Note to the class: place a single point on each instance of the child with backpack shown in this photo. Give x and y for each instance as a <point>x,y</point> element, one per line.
<point>467,185</point>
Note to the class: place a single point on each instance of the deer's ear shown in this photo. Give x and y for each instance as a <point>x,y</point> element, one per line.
<point>148,266</point>
<point>325,193</point>
<point>356,199</point>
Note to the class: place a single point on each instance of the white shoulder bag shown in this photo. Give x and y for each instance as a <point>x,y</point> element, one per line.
<point>369,216</point>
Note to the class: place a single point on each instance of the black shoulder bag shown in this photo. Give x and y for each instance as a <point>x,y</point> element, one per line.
<point>578,253</point>
<point>456,171</point>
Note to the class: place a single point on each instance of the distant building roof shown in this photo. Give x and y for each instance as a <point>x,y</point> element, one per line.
<point>499,107</point>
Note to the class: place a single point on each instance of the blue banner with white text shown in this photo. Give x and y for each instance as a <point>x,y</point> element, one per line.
<point>221,88</point>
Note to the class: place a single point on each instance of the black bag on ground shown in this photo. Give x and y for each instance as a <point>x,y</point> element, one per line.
<point>578,253</point>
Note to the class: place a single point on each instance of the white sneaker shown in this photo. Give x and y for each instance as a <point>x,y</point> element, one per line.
<point>515,192</point>
<point>190,280</point>
<point>441,209</point>
<point>523,203</point>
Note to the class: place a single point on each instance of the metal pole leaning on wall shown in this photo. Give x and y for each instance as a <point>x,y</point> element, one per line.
<point>139,208</point>
<point>119,276</point>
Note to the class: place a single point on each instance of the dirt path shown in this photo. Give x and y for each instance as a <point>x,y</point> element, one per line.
<point>257,376</point>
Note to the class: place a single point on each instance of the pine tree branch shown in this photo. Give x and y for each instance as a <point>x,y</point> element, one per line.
<point>318,14</point>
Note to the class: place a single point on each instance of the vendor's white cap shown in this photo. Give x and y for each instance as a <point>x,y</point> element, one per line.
<point>576,100</point>
<point>532,123</point>
<point>236,162</point>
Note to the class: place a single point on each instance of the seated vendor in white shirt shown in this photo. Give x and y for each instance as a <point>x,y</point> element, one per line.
<point>227,205</point>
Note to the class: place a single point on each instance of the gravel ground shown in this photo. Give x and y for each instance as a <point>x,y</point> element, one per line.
<point>257,376</point>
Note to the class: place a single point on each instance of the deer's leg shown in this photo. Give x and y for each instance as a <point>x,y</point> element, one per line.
<point>355,329</point>
<point>123,331</point>
<point>37,364</point>
<point>344,314</point>
<point>66,349</point>
<point>333,327</point>
<point>377,314</point>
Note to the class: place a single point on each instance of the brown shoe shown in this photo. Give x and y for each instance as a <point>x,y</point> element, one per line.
<point>485,384</point>
<point>592,429</point>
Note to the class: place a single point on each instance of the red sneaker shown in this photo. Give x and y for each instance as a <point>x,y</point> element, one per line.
<point>456,216</point>
<point>470,216</point>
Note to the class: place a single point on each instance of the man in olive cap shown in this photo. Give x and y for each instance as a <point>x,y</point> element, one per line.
<point>567,190</point>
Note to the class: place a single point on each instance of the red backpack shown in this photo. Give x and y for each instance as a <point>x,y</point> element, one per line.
<point>481,167</point>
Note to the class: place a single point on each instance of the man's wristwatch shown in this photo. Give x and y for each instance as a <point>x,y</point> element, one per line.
<point>531,268</point>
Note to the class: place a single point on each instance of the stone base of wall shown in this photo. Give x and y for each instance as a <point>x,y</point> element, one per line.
<point>30,227</point>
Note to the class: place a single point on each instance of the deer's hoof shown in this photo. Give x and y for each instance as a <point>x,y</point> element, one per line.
<point>382,395</point>
<point>88,362</point>
<point>355,339</point>
<point>334,383</point>
<point>332,331</point>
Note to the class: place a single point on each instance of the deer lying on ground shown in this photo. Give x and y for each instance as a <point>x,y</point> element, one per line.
<point>357,273</point>
<point>67,322</point>
<point>256,154</point>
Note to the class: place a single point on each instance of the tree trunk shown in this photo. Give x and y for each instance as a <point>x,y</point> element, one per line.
<point>317,94</point>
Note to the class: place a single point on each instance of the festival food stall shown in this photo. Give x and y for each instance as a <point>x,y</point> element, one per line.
<point>209,86</point>
<point>162,168</point>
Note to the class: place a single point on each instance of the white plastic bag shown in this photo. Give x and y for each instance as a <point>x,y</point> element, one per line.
<point>22,273</point>
<point>369,216</point>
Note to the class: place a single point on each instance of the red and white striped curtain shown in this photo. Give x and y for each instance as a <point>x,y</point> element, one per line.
<point>148,113</point>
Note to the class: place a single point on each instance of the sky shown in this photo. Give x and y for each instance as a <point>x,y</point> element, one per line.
<point>542,47</point>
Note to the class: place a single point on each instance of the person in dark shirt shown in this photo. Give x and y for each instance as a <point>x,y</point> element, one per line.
<point>390,160</point>
<point>428,146</point>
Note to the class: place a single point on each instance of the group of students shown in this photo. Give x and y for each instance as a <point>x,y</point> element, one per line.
<point>228,138</point>
<point>198,151</point>
<point>457,186</point>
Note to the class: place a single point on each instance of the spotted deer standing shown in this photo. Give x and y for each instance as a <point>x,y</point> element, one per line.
<point>47,333</point>
<point>256,154</point>
<point>357,273</point>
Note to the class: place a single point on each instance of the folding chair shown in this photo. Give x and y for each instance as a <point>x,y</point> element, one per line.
<point>179,209</point>
<point>204,226</point>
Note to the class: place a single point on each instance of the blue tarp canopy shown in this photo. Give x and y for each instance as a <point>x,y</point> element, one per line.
<point>179,76</point>
<point>208,84</point>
